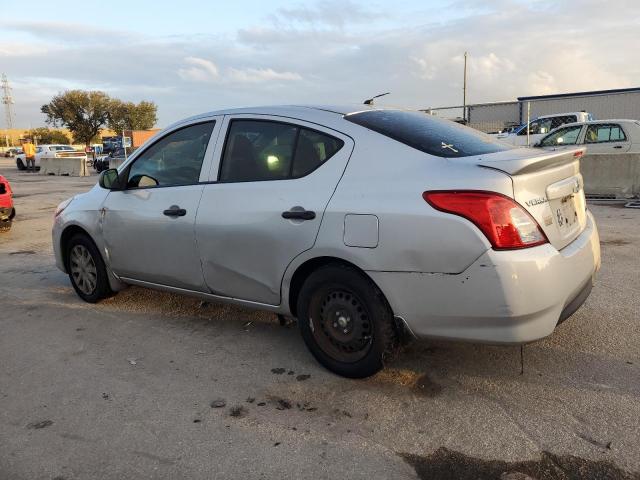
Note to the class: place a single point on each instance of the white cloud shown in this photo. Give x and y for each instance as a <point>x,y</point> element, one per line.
<point>252,75</point>
<point>201,70</point>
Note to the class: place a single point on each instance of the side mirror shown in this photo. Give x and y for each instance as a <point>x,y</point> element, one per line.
<point>110,180</point>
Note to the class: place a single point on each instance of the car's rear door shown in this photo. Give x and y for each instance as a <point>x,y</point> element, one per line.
<point>269,189</point>
<point>148,228</point>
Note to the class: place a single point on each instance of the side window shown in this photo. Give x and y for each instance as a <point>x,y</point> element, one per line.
<point>259,150</point>
<point>173,160</point>
<point>602,133</point>
<point>561,120</point>
<point>542,125</point>
<point>312,150</point>
<point>564,136</point>
<point>533,128</point>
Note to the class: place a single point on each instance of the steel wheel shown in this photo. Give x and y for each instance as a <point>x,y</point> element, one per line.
<point>83,269</point>
<point>343,328</point>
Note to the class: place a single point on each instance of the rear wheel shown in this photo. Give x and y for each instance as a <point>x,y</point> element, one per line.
<point>346,321</point>
<point>87,271</point>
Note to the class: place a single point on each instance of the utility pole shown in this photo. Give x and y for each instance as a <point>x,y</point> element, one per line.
<point>464,90</point>
<point>7,100</point>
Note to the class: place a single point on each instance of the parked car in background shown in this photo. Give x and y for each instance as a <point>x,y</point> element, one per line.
<point>109,144</point>
<point>60,151</point>
<point>116,156</point>
<point>12,152</point>
<point>539,127</point>
<point>7,210</point>
<point>600,136</point>
<point>362,222</point>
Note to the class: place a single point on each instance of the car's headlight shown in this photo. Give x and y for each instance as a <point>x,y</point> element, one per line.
<point>60,208</point>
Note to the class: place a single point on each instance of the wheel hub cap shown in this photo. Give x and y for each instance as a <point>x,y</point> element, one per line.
<point>83,269</point>
<point>345,323</point>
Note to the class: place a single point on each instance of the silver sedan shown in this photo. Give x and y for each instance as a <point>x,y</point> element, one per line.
<point>363,223</point>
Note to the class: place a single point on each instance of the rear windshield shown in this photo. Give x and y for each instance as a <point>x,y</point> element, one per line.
<point>429,134</point>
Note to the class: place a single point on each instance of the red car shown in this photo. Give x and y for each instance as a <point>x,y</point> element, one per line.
<point>7,212</point>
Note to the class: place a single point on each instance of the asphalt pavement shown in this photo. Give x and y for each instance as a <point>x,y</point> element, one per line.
<point>156,385</point>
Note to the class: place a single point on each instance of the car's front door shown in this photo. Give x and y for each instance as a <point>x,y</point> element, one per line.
<point>274,179</point>
<point>606,138</point>
<point>148,228</point>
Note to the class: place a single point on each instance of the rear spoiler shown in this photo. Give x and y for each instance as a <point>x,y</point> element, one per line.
<point>533,163</point>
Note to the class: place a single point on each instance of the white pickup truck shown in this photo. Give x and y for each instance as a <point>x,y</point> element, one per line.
<point>540,127</point>
<point>54,151</point>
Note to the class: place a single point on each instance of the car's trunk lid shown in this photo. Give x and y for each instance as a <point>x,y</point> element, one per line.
<point>548,185</point>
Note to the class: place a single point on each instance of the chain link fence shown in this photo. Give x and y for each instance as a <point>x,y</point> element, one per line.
<point>500,118</point>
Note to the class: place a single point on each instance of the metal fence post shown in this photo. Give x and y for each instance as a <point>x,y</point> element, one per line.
<point>528,120</point>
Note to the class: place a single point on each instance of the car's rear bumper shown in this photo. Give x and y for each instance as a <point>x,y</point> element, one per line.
<point>511,296</point>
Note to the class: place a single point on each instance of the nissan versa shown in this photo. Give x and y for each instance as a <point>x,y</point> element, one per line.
<point>361,222</point>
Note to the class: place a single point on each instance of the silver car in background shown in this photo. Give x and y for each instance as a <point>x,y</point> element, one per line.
<point>363,223</point>
<point>609,137</point>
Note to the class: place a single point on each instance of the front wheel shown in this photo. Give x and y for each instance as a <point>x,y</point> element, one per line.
<point>87,271</point>
<point>346,321</point>
<point>20,164</point>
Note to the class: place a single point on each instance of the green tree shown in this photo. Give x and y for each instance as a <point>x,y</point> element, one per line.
<point>46,135</point>
<point>129,116</point>
<point>83,113</point>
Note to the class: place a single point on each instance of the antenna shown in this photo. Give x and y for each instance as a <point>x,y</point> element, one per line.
<point>7,100</point>
<point>369,101</point>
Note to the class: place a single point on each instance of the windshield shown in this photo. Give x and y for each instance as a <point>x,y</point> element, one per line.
<point>429,134</point>
<point>60,147</point>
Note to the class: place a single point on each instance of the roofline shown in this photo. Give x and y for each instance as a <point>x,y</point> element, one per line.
<point>581,94</point>
<point>606,120</point>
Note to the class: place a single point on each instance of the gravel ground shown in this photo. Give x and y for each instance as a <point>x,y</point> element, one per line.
<point>156,385</point>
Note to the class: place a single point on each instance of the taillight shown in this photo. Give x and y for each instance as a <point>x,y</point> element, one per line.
<point>505,223</point>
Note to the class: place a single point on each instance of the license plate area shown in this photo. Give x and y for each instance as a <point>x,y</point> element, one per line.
<point>566,215</point>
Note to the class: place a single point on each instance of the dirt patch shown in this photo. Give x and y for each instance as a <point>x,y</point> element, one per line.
<point>238,411</point>
<point>417,382</point>
<point>427,387</point>
<point>447,464</point>
<point>39,425</point>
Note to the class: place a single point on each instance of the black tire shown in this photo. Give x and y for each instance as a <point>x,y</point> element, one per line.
<point>20,164</point>
<point>101,288</point>
<point>5,226</point>
<point>346,322</point>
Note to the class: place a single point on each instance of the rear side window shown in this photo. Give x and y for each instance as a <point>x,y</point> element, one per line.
<point>604,133</point>
<point>428,134</point>
<point>259,150</point>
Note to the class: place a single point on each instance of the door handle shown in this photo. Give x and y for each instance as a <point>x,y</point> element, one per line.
<point>618,146</point>
<point>299,215</point>
<point>175,211</point>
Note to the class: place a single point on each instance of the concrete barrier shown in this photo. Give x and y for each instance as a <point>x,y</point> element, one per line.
<point>116,162</point>
<point>611,175</point>
<point>73,167</point>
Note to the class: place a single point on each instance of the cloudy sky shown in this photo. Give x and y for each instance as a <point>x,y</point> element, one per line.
<point>193,56</point>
